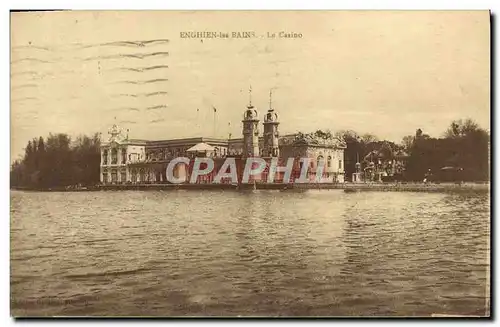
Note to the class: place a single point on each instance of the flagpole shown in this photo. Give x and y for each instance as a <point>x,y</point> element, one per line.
<point>215,112</point>
<point>198,120</point>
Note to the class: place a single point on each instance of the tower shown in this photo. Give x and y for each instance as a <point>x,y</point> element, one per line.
<point>250,130</point>
<point>271,147</point>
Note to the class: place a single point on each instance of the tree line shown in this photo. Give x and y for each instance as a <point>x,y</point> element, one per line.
<point>462,153</point>
<point>58,161</point>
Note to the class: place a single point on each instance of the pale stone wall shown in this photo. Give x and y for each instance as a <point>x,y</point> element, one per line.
<point>133,153</point>
<point>334,167</point>
<point>235,147</point>
<point>136,153</point>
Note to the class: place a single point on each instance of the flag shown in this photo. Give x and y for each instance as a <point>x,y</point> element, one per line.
<point>215,109</point>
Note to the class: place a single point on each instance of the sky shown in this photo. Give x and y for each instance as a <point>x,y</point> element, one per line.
<point>379,72</point>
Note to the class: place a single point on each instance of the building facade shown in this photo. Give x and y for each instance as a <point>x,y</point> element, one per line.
<point>125,160</point>
<point>117,156</point>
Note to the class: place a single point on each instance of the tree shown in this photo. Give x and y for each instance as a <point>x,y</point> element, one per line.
<point>28,151</point>
<point>407,143</point>
<point>326,135</point>
<point>419,135</point>
<point>368,138</point>
<point>41,162</point>
<point>87,158</point>
<point>57,162</point>
<point>461,128</point>
<point>347,136</point>
<point>464,148</point>
<point>355,149</point>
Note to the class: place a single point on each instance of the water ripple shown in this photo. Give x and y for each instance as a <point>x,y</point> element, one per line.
<point>264,253</point>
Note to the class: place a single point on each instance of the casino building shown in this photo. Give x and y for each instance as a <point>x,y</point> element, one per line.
<point>129,161</point>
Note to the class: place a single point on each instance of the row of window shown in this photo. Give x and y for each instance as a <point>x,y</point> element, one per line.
<point>114,177</point>
<point>114,156</point>
<point>166,154</point>
<point>329,161</point>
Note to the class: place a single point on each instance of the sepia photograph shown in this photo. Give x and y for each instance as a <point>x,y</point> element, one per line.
<point>258,163</point>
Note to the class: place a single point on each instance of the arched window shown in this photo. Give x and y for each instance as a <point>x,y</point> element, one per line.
<point>114,156</point>
<point>319,161</point>
<point>248,114</point>
<point>124,156</point>
<point>329,162</point>
<point>114,176</point>
<point>105,157</point>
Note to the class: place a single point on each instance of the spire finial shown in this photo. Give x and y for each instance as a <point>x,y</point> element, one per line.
<point>250,96</point>
<point>271,99</point>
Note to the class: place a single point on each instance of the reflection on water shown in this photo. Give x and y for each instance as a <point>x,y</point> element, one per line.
<point>264,253</point>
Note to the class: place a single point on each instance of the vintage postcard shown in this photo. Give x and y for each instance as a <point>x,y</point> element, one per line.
<point>250,164</point>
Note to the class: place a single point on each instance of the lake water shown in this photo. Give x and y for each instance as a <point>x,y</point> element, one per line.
<point>263,253</point>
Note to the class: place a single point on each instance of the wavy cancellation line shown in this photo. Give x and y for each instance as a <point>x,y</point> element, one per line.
<point>126,109</point>
<point>24,99</point>
<point>135,44</point>
<point>125,95</point>
<point>38,75</point>
<point>34,57</point>
<point>155,93</point>
<point>23,86</point>
<point>131,55</point>
<point>161,106</point>
<point>157,121</point>
<point>29,46</point>
<point>156,107</point>
<point>26,72</point>
<point>30,59</point>
<point>140,70</point>
<point>150,81</point>
<point>140,94</point>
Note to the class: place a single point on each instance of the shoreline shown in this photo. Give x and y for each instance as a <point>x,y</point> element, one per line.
<point>347,187</point>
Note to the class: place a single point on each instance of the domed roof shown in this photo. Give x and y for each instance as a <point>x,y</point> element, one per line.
<point>201,147</point>
<point>271,116</point>
<point>250,113</point>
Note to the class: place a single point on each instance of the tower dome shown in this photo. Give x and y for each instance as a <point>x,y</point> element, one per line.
<point>250,130</point>
<point>250,113</point>
<point>271,116</point>
<point>271,135</point>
